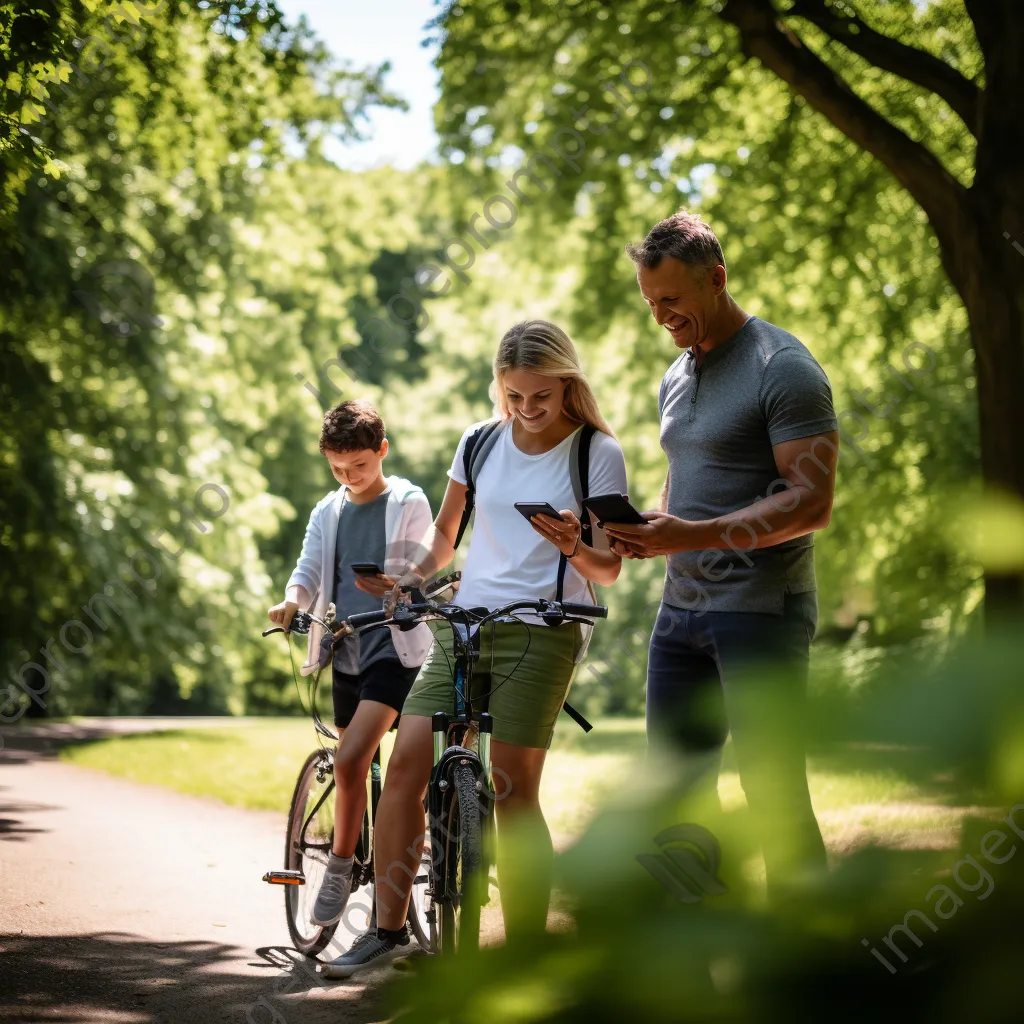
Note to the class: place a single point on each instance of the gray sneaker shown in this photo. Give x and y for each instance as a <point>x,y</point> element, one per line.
<point>369,950</point>
<point>332,897</point>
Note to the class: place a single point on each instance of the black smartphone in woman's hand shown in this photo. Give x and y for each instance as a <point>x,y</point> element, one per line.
<point>537,508</point>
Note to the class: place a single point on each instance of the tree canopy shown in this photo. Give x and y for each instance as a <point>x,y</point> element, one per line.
<point>187,283</point>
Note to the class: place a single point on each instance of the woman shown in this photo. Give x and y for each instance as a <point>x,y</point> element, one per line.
<point>542,399</point>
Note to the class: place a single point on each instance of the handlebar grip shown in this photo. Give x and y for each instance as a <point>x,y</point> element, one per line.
<point>301,623</point>
<point>595,611</point>
<point>367,618</point>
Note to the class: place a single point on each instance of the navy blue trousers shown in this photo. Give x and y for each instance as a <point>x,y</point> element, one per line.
<point>746,673</point>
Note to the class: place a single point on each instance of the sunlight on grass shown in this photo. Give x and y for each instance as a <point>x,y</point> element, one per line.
<point>253,763</point>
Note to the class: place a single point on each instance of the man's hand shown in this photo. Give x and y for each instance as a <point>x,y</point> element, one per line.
<point>281,614</point>
<point>623,549</point>
<point>663,535</point>
<point>378,586</point>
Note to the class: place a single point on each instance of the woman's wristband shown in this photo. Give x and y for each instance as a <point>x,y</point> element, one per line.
<point>576,550</point>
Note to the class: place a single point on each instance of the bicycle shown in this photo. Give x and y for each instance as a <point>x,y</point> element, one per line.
<point>460,792</point>
<point>310,828</point>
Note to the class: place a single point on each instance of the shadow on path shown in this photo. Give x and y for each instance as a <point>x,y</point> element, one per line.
<point>42,740</point>
<point>12,828</point>
<point>114,976</point>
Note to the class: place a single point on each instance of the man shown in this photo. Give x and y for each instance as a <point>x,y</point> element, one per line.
<point>750,433</point>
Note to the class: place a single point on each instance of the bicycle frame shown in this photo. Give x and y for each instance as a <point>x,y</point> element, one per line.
<point>450,731</point>
<point>364,847</point>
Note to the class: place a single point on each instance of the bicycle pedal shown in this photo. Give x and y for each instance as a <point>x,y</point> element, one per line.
<point>285,878</point>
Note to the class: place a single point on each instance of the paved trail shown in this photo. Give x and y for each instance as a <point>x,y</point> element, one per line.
<point>130,903</point>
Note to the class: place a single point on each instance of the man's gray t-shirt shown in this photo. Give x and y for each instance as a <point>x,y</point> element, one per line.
<point>757,389</point>
<point>361,538</point>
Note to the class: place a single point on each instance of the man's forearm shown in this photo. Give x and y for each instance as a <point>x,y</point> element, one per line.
<point>663,503</point>
<point>793,512</point>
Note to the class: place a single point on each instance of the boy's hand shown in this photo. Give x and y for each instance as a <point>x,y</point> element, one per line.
<point>281,614</point>
<point>379,586</point>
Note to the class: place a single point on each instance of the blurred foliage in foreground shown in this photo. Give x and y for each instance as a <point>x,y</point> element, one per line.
<point>946,922</point>
<point>185,282</point>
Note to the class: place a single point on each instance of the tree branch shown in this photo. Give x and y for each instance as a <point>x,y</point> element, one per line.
<point>780,50</point>
<point>914,65</point>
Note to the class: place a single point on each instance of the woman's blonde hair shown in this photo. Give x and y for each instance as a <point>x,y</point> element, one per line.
<point>540,347</point>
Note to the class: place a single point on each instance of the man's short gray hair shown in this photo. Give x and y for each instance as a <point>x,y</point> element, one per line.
<point>683,236</point>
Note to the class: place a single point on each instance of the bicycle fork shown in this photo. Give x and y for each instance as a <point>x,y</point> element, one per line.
<point>485,725</point>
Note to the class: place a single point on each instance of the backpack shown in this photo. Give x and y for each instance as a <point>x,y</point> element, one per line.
<point>478,447</point>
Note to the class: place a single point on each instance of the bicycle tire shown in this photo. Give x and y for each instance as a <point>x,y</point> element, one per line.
<point>418,917</point>
<point>458,928</point>
<point>307,938</point>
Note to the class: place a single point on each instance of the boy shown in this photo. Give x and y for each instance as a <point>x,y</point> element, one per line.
<point>370,518</point>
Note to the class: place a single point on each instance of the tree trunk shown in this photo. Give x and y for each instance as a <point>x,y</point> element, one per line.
<point>976,226</point>
<point>989,274</point>
<point>994,298</point>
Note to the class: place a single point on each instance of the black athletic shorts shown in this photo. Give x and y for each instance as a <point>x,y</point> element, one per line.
<point>387,681</point>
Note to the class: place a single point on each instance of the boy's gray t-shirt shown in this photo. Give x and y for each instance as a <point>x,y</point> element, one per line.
<point>759,388</point>
<point>361,538</point>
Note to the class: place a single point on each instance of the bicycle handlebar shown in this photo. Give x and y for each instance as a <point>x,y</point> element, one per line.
<point>301,622</point>
<point>367,618</point>
<point>598,611</point>
<point>406,615</point>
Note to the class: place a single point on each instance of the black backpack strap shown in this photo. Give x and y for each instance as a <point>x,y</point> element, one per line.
<point>579,471</point>
<point>576,717</point>
<point>477,448</point>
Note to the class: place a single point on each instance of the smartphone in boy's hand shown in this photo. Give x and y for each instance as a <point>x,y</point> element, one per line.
<point>372,581</point>
<point>366,569</point>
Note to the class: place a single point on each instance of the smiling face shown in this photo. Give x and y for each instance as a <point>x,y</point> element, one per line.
<point>684,299</point>
<point>533,398</point>
<point>359,470</point>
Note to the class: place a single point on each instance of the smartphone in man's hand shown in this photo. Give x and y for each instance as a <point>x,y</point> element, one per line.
<point>613,508</point>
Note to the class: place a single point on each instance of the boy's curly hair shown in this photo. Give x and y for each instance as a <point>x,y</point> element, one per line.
<point>352,426</point>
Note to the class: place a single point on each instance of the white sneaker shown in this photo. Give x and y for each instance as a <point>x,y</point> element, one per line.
<point>369,950</point>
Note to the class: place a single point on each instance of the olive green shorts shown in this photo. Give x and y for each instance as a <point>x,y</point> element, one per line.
<point>526,669</point>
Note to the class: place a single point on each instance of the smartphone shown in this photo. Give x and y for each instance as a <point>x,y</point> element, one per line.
<point>536,508</point>
<point>366,569</point>
<point>613,508</point>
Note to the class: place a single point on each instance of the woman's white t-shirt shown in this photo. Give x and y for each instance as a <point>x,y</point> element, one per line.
<point>507,559</point>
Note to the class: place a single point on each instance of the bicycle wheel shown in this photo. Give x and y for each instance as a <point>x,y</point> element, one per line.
<point>458,912</point>
<point>308,839</point>
<point>419,900</point>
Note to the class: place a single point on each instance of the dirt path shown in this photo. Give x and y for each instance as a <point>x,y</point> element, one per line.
<point>130,903</point>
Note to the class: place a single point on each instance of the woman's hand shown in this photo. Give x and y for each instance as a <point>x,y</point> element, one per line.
<point>564,533</point>
<point>378,586</point>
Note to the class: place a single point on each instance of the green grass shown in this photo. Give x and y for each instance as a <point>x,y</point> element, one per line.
<point>253,763</point>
